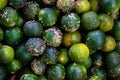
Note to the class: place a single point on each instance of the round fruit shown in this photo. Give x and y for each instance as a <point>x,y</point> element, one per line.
<point>17,3</point>
<point>33,29</point>
<point>13,36</point>
<point>56,72</point>
<point>50,55</point>
<point>94,77</point>
<point>94,5</point>
<point>110,6</point>
<point>22,55</point>
<point>9,17</point>
<point>82,6</point>
<point>14,66</point>
<point>109,44</point>
<point>38,67</point>
<point>70,22</point>
<point>3,4</point>
<point>116,30</point>
<point>66,5</point>
<point>79,52</point>
<point>112,59</point>
<point>95,39</point>
<point>31,9</point>
<point>1,34</point>
<point>90,20</point>
<point>29,77</point>
<point>71,38</point>
<point>106,22</point>
<point>6,54</point>
<point>53,37</point>
<point>47,16</point>
<point>117,48</point>
<point>35,46</point>
<point>76,72</point>
<point>63,56</point>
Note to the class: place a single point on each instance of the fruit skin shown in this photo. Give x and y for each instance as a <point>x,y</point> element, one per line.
<point>6,54</point>
<point>42,78</point>
<point>76,72</point>
<point>116,30</point>
<point>13,36</point>
<point>22,55</point>
<point>63,57</point>
<point>80,4</point>
<point>106,22</point>
<point>70,22</point>
<point>33,29</point>
<point>35,46</point>
<point>50,55</point>
<point>38,67</point>
<point>93,41</point>
<point>56,72</point>
<point>31,9</point>
<point>95,5</point>
<point>117,48</point>
<point>88,63</point>
<point>53,36</point>
<point>20,22</point>
<point>70,38</point>
<point>109,45</point>
<point>50,2</point>
<point>110,6</point>
<point>65,5</point>
<point>29,77</point>
<point>14,66</point>
<point>1,34</point>
<point>94,77</point>
<point>90,20</point>
<point>9,17</point>
<point>79,52</point>
<point>47,16</point>
<point>3,72</point>
<point>3,4</point>
<point>17,3</point>
<point>112,59</point>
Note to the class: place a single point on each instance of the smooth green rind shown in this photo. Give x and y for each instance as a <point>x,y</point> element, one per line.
<point>110,6</point>
<point>9,17</point>
<point>90,20</point>
<point>95,42</point>
<point>22,55</point>
<point>14,66</point>
<point>33,29</point>
<point>13,36</point>
<point>29,77</point>
<point>76,72</point>
<point>6,54</point>
<point>47,16</point>
<point>70,22</point>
